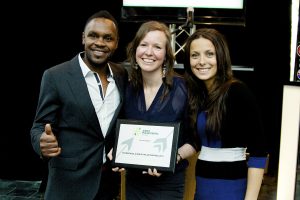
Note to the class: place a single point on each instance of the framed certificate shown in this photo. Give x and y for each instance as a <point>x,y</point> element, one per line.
<point>144,145</point>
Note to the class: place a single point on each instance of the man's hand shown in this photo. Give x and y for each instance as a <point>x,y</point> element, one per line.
<point>48,143</point>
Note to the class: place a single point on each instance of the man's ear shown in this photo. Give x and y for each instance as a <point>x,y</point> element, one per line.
<point>83,38</point>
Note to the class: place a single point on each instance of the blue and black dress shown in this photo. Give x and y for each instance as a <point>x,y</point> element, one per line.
<point>223,177</point>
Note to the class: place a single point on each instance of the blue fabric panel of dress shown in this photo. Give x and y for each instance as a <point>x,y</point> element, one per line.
<point>216,189</point>
<point>201,121</point>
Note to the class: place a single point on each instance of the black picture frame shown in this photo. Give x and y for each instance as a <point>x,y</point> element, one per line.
<point>143,145</point>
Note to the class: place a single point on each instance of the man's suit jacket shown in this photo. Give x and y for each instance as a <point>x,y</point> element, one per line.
<point>65,103</point>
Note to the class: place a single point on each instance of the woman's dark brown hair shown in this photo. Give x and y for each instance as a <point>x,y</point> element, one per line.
<point>212,102</point>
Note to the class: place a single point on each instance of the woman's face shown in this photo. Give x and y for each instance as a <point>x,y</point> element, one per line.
<point>203,60</point>
<point>151,52</point>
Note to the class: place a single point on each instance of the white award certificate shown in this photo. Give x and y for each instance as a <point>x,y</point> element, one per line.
<point>144,145</point>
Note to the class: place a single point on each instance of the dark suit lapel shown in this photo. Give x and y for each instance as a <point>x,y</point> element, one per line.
<point>119,80</point>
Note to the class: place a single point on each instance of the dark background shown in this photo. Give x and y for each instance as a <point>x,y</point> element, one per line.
<point>38,36</point>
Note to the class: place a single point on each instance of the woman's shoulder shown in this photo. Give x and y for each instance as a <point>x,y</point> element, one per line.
<point>239,90</point>
<point>179,86</point>
<point>237,86</point>
<point>178,79</point>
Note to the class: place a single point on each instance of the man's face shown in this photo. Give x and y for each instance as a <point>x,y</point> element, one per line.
<point>100,40</point>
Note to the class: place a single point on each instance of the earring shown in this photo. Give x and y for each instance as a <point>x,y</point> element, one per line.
<point>164,71</point>
<point>136,66</point>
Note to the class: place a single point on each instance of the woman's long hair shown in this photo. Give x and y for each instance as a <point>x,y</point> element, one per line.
<point>200,99</point>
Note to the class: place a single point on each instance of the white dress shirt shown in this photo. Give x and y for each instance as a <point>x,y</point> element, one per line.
<point>106,107</point>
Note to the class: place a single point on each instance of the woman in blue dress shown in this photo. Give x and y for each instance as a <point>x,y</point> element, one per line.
<point>156,94</point>
<point>226,120</point>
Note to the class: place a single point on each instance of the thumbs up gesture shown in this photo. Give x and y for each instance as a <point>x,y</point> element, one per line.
<point>48,143</point>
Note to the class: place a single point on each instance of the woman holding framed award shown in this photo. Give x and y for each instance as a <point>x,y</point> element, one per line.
<point>156,95</point>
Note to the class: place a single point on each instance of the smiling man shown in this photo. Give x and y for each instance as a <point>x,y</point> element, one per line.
<point>74,124</point>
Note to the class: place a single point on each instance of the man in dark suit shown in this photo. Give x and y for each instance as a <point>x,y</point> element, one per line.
<point>78,106</point>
